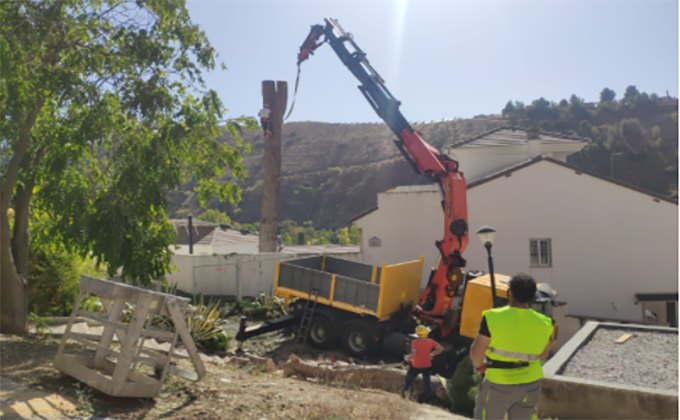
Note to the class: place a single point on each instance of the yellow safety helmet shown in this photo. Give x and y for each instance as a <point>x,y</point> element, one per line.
<point>422,331</point>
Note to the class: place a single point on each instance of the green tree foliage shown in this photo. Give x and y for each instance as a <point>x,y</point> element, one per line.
<point>577,109</point>
<point>607,95</point>
<point>632,134</point>
<point>564,103</point>
<point>595,135</point>
<point>656,136</point>
<point>307,234</point>
<point>108,112</point>
<point>520,109</point>
<point>631,92</point>
<point>540,110</point>
<point>614,137</point>
<point>215,216</point>
<point>585,129</point>
<point>509,110</point>
<point>54,283</point>
<point>459,387</point>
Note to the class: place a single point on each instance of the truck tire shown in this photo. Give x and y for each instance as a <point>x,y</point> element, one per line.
<point>360,338</point>
<point>322,333</point>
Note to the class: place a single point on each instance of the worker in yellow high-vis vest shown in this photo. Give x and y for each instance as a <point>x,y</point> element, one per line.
<point>509,347</point>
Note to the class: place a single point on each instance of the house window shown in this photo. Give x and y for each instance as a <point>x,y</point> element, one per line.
<point>540,252</point>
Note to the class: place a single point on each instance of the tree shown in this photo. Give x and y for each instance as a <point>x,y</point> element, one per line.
<point>108,113</point>
<point>520,109</point>
<point>564,103</point>
<point>577,110</point>
<point>595,135</point>
<point>508,110</point>
<point>607,95</point>
<point>215,216</point>
<point>614,137</point>
<point>632,134</point>
<point>631,92</point>
<point>585,128</point>
<point>540,110</point>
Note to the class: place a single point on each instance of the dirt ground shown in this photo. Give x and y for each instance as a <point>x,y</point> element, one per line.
<point>226,392</point>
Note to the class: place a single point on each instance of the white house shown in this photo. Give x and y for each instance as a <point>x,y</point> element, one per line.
<point>602,244</point>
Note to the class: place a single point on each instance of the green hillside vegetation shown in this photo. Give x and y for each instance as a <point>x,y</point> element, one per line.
<point>332,172</point>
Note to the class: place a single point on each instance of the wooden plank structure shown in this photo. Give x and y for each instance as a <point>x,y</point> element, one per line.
<point>117,372</point>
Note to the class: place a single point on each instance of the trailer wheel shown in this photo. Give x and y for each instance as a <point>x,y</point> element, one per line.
<point>321,333</point>
<point>359,339</point>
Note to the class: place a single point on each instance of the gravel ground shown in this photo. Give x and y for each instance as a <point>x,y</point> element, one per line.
<point>649,359</point>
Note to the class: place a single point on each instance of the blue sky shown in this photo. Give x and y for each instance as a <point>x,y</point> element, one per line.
<point>442,59</point>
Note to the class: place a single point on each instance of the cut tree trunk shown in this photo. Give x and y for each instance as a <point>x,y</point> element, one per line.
<point>248,359</point>
<point>276,97</point>
<point>375,377</point>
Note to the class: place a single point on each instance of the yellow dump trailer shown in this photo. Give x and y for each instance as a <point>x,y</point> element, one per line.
<point>358,288</point>
<point>362,307</point>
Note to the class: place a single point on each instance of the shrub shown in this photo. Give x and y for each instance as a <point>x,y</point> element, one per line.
<point>53,281</point>
<point>462,388</point>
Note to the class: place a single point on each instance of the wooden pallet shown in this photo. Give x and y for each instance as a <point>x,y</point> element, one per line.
<point>120,372</point>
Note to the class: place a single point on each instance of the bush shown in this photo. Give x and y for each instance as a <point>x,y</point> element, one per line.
<point>53,281</point>
<point>462,388</point>
<point>219,342</point>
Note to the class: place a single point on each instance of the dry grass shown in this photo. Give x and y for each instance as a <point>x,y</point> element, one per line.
<point>225,393</point>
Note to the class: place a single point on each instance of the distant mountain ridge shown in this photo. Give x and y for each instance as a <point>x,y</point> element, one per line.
<point>332,172</point>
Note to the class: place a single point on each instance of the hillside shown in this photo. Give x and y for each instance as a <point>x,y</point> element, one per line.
<point>331,172</point>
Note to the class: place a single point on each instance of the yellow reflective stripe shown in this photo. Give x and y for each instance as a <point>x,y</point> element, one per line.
<point>515,355</point>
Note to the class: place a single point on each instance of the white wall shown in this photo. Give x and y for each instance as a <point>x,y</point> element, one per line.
<point>223,249</point>
<point>407,224</point>
<point>608,242</point>
<point>224,275</point>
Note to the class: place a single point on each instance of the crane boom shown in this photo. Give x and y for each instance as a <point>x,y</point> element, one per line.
<point>439,168</point>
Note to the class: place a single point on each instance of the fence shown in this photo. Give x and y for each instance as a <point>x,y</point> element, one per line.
<point>239,276</point>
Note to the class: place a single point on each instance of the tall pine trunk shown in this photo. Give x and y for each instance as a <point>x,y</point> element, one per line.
<point>276,97</point>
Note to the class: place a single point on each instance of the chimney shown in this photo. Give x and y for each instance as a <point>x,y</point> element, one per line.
<point>533,143</point>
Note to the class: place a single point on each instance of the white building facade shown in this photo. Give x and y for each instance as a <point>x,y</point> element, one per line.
<point>601,244</point>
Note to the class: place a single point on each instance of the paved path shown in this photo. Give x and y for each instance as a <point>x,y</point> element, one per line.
<point>432,413</point>
<point>17,402</point>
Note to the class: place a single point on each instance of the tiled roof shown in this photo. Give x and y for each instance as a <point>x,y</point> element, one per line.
<point>514,136</point>
<point>511,169</point>
<point>575,168</point>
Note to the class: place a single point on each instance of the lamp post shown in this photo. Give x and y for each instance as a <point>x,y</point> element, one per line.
<point>611,164</point>
<point>486,235</point>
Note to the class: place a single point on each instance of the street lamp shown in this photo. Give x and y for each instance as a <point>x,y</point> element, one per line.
<point>611,164</point>
<point>486,235</point>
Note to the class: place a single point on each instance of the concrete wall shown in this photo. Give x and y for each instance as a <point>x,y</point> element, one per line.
<point>576,398</point>
<point>608,241</point>
<point>201,249</point>
<point>235,275</point>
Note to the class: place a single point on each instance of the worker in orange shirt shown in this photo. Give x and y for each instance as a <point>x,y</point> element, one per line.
<point>421,360</point>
